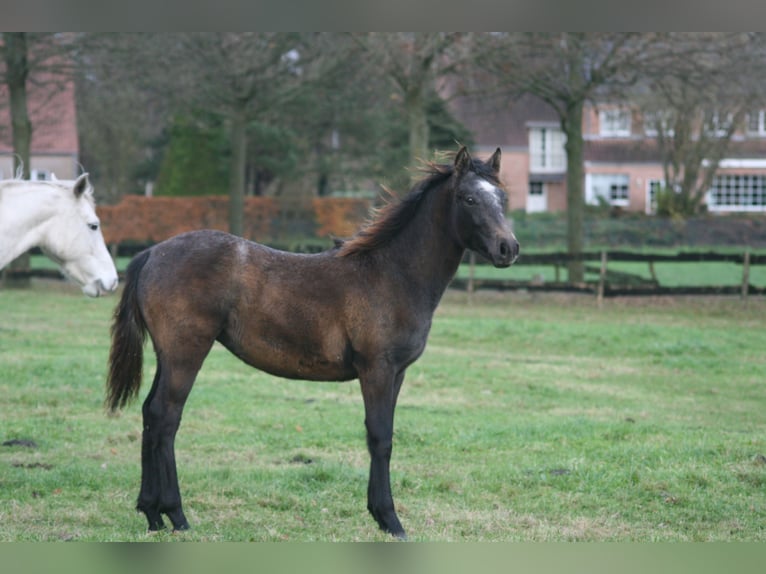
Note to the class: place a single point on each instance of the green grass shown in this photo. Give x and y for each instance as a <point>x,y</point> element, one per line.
<point>529,417</point>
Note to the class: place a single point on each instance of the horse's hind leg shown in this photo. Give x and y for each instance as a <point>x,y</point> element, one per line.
<point>160,493</point>
<point>149,496</point>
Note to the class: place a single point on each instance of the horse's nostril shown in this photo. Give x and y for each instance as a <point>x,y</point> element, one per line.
<point>504,249</point>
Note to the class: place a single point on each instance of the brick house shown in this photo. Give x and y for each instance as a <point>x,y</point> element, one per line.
<point>623,166</point>
<point>55,147</point>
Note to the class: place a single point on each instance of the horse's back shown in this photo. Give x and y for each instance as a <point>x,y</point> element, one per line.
<point>191,274</point>
<point>280,312</point>
<point>217,262</point>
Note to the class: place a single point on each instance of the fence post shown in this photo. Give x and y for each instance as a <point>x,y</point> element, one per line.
<point>471,272</point>
<point>652,272</point>
<point>746,274</point>
<point>601,280</point>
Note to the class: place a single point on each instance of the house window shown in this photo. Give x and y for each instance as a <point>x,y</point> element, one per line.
<point>755,123</point>
<point>546,150</point>
<point>718,124</point>
<point>537,199</point>
<point>612,188</point>
<point>740,192</point>
<point>659,122</point>
<point>653,187</point>
<point>614,122</point>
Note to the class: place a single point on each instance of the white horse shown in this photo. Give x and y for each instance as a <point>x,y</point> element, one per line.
<point>59,217</point>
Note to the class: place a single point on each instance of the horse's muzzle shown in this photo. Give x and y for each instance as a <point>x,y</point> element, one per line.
<point>506,253</point>
<point>99,287</point>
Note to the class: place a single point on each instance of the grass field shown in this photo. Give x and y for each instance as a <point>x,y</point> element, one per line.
<point>529,418</point>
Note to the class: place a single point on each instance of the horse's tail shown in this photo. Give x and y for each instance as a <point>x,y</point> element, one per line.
<point>128,336</point>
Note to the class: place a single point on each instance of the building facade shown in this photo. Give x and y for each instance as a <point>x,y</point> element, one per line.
<point>623,166</point>
<point>54,148</point>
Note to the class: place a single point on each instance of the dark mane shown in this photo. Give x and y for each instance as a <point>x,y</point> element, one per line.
<point>391,218</point>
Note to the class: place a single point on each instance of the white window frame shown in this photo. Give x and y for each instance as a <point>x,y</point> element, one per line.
<point>760,120</point>
<point>737,192</point>
<point>546,149</point>
<point>651,119</point>
<point>614,122</point>
<point>717,127</point>
<point>653,185</point>
<point>540,204</point>
<point>603,185</point>
<point>539,186</point>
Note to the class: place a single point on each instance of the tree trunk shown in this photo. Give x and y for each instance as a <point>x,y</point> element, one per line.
<point>418,125</point>
<point>237,179</point>
<point>17,70</point>
<point>572,126</point>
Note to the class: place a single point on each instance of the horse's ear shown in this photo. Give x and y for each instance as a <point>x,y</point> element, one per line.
<point>494,161</point>
<point>462,162</point>
<point>81,185</point>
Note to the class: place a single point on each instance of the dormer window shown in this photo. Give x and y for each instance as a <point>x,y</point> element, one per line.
<point>718,124</point>
<point>658,122</point>
<point>614,122</point>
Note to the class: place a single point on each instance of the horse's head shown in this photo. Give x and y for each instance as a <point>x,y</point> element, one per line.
<point>75,242</point>
<point>479,209</point>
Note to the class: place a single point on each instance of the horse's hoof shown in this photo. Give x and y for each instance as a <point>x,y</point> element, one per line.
<point>402,536</point>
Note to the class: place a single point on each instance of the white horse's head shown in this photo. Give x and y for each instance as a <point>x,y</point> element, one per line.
<point>73,239</point>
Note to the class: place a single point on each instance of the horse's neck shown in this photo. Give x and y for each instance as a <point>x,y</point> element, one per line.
<point>22,221</point>
<point>426,251</point>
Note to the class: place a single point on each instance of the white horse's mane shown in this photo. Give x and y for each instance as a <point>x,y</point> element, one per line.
<point>61,186</point>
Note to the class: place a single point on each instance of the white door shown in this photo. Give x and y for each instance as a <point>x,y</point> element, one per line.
<point>537,197</point>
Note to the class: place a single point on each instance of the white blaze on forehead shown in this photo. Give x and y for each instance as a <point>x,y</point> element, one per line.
<point>489,190</point>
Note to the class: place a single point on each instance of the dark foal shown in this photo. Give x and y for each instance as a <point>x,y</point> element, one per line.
<point>360,310</point>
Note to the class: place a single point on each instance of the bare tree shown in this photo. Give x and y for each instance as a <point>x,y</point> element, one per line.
<point>316,106</point>
<point>415,62</point>
<point>566,70</point>
<point>26,58</point>
<point>242,77</point>
<point>122,108</point>
<point>698,96</point>
<point>15,56</point>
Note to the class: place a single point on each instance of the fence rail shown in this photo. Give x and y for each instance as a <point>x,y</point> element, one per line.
<point>610,282</point>
<point>613,283</point>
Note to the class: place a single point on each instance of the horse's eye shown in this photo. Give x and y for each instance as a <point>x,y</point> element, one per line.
<point>93,226</point>
<point>469,200</point>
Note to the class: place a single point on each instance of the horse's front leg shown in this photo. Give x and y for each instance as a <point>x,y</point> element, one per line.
<point>380,389</point>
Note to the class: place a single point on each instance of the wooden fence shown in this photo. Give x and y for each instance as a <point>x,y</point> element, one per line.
<point>612,283</point>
